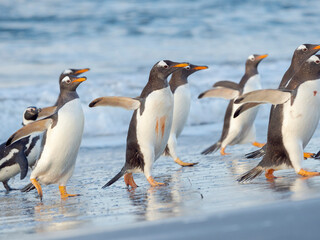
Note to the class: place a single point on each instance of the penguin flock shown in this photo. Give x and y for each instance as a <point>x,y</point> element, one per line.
<point>48,142</point>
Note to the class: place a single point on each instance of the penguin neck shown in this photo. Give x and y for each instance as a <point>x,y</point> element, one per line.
<point>250,71</point>
<point>177,79</point>
<point>156,82</point>
<point>66,96</point>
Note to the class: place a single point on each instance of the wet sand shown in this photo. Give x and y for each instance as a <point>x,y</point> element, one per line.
<point>194,199</point>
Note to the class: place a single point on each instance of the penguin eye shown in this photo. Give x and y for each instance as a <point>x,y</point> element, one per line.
<point>304,49</point>
<point>252,59</point>
<point>165,66</point>
<point>68,81</point>
<point>187,67</point>
<point>317,61</point>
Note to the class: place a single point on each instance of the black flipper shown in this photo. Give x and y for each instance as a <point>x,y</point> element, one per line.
<point>115,178</point>
<point>212,148</point>
<point>256,154</point>
<point>22,160</point>
<point>228,84</point>
<point>244,107</point>
<point>253,173</point>
<point>28,188</point>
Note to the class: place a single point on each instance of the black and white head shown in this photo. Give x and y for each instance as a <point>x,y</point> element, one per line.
<point>30,115</point>
<point>70,83</point>
<point>188,70</point>
<point>303,52</point>
<point>310,69</point>
<point>164,68</point>
<point>72,72</point>
<point>254,60</point>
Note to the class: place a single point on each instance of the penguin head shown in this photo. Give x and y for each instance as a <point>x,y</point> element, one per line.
<point>188,70</point>
<point>73,72</point>
<point>304,51</point>
<point>311,68</point>
<point>30,114</point>
<point>254,60</point>
<point>70,82</point>
<point>164,68</point>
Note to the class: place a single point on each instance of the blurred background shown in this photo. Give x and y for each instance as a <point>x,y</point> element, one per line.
<point>121,40</point>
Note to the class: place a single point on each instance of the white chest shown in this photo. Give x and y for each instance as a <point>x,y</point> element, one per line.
<point>154,125</point>
<point>181,108</point>
<point>252,84</point>
<point>301,119</point>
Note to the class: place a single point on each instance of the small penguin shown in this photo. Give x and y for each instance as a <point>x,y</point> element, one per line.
<point>300,55</point>
<point>182,100</point>
<point>63,135</point>
<point>23,153</point>
<point>293,121</point>
<point>242,130</point>
<point>150,124</point>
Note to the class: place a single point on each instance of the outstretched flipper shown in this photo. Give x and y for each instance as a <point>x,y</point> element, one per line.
<point>37,126</point>
<point>244,107</point>
<point>227,84</point>
<point>226,93</point>
<point>46,112</point>
<point>273,96</point>
<point>124,102</point>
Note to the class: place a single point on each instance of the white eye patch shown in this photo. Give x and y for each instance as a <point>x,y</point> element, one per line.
<point>251,57</point>
<point>314,59</point>
<point>301,47</point>
<point>162,64</point>
<point>66,79</point>
<point>67,71</point>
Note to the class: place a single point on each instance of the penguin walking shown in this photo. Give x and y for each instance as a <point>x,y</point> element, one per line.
<point>293,121</point>
<point>237,130</point>
<point>150,124</point>
<point>300,55</point>
<point>182,100</point>
<point>63,135</point>
<point>23,153</point>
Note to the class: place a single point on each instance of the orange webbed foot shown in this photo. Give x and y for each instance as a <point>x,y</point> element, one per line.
<point>305,173</point>
<point>257,144</point>
<point>308,155</point>
<point>128,179</point>
<point>38,187</point>
<point>154,183</point>
<point>184,164</point>
<point>269,174</point>
<point>223,153</point>
<point>64,194</point>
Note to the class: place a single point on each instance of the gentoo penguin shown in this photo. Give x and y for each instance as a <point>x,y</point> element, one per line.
<point>150,124</point>
<point>23,153</point>
<point>242,130</point>
<point>63,135</point>
<point>182,100</point>
<point>47,111</point>
<point>300,55</point>
<point>293,120</point>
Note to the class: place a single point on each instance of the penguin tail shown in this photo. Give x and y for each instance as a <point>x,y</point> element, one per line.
<point>27,188</point>
<point>212,148</point>
<point>166,152</point>
<point>116,177</point>
<point>250,175</point>
<point>256,154</point>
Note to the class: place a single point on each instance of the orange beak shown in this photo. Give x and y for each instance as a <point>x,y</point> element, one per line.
<point>82,79</point>
<point>317,47</point>
<point>181,65</point>
<point>262,56</point>
<point>82,70</point>
<point>200,67</point>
